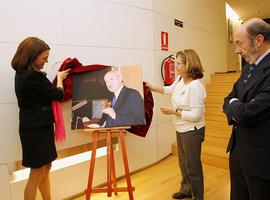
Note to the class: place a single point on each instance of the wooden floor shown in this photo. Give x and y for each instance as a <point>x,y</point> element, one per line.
<point>160,181</point>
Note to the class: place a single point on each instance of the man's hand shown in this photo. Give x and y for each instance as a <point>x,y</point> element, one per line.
<point>233,99</point>
<point>110,111</point>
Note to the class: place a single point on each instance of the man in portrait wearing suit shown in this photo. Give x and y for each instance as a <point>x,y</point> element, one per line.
<point>248,111</point>
<point>127,106</point>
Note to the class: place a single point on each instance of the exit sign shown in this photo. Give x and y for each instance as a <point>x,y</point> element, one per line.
<point>178,23</point>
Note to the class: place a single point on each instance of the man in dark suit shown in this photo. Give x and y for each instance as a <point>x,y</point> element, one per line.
<point>127,107</point>
<point>248,110</point>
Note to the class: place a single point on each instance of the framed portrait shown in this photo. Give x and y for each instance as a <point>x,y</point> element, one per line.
<point>108,97</point>
<point>230,30</point>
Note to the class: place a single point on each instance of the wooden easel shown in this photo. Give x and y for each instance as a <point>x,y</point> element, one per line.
<point>111,175</point>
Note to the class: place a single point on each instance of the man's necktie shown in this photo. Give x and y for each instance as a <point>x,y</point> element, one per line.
<point>113,100</point>
<point>250,71</point>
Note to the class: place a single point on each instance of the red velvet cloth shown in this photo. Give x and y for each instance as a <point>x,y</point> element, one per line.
<point>141,130</point>
<point>77,67</point>
<point>59,131</point>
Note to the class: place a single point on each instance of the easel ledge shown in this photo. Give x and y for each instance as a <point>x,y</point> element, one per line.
<point>105,129</point>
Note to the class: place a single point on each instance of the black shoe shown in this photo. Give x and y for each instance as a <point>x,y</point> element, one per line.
<point>180,195</point>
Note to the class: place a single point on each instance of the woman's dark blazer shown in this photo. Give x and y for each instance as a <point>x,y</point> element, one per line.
<point>35,94</point>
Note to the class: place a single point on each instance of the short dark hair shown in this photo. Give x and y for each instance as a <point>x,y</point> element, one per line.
<point>259,28</point>
<point>193,64</point>
<point>28,50</point>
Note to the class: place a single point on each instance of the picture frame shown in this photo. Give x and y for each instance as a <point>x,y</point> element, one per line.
<point>95,98</point>
<point>230,30</point>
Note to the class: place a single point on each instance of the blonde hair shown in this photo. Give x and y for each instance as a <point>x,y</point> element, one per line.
<point>193,64</point>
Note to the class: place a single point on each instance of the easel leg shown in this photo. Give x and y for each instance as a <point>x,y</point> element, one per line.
<point>113,170</point>
<point>92,165</point>
<point>124,154</point>
<point>109,164</point>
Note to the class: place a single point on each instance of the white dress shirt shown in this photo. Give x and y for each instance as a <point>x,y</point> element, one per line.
<point>189,98</point>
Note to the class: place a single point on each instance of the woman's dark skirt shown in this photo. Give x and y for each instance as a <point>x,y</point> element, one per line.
<point>38,146</point>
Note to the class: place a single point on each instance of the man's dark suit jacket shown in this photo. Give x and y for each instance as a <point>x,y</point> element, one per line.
<point>129,109</point>
<point>35,94</point>
<point>250,117</point>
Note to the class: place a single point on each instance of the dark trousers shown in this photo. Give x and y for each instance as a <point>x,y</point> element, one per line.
<point>189,155</point>
<point>245,186</point>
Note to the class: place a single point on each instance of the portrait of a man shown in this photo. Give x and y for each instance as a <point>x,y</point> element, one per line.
<point>108,98</point>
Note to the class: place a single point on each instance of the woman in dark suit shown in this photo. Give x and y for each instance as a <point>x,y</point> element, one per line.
<point>35,94</point>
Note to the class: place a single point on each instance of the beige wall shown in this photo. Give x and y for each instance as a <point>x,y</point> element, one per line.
<point>204,30</point>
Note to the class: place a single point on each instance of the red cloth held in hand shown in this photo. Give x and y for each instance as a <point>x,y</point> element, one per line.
<point>75,68</point>
<point>59,132</point>
<point>141,130</point>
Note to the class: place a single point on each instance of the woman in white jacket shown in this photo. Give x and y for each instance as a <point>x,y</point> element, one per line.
<point>188,97</point>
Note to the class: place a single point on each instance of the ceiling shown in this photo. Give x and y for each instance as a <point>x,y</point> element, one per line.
<point>247,9</point>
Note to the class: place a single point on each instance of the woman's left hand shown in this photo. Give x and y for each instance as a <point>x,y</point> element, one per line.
<point>167,111</point>
<point>63,74</point>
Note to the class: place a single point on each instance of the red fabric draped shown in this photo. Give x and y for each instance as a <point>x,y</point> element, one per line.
<point>59,132</point>
<point>141,130</point>
<point>77,67</point>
